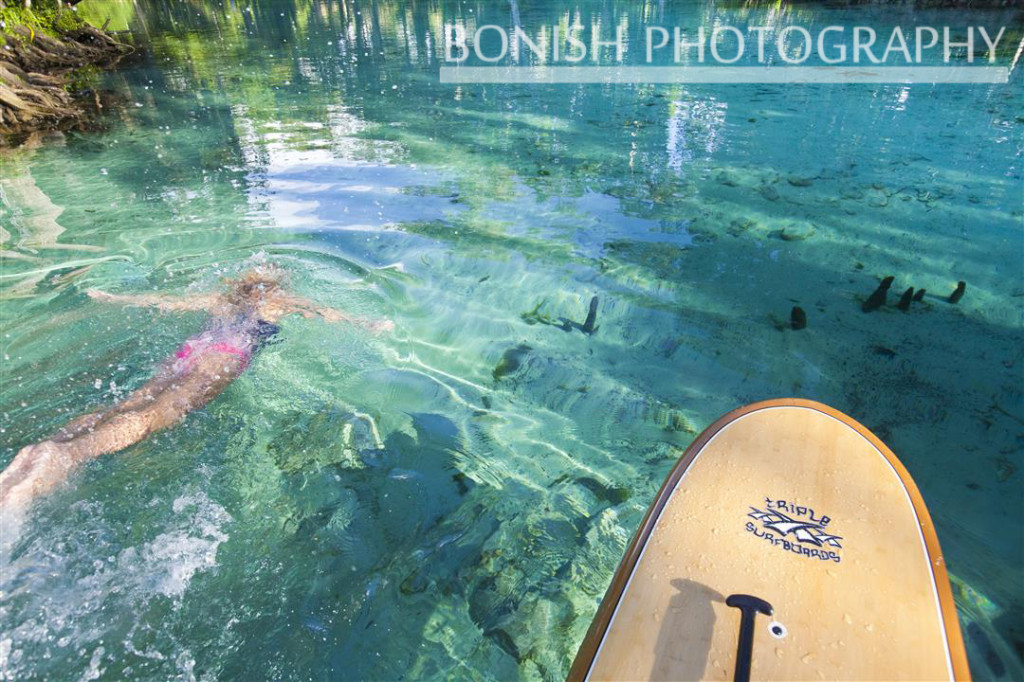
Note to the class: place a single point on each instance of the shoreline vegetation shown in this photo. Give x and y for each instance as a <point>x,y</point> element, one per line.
<point>46,51</point>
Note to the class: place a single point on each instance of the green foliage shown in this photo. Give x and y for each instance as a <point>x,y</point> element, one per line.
<point>117,14</point>
<point>81,78</point>
<point>66,20</point>
<point>46,18</point>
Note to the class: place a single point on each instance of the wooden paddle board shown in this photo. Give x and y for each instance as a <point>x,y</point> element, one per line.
<point>790,526</point>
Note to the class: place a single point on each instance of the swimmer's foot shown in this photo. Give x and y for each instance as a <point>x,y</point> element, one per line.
<point>35,470</point>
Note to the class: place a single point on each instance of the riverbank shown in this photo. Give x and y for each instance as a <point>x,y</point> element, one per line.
<point>43,58</point>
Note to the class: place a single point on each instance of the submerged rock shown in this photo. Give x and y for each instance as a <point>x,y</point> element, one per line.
<point>883,351</point>
<point>878,198</point>
<point>984,645</point>
<point>605,493</point>
<point>740,225</point>
<point>795,232</point>
<point>679,424</point>
<point>729,178</point>
<point>414,583</point>
<point>505,642</point>
<point>769,192</point>
<point>511,360</point>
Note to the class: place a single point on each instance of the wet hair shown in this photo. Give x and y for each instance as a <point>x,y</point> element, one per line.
<point>252,285</point>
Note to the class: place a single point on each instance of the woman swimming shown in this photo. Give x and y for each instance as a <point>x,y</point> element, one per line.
<point>243,319</point>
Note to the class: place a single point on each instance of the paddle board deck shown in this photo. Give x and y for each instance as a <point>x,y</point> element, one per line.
<point>787,525</point>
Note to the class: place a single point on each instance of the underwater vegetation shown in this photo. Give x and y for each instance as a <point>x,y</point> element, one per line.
<point>588,327</point>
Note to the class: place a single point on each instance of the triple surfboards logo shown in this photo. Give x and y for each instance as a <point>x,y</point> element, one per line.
<point>795,528</point>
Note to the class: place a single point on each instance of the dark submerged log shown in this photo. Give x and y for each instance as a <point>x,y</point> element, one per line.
<point>905,299</point>
<point>958,293</point>
<point>877,298</point>
<point>797,318</point>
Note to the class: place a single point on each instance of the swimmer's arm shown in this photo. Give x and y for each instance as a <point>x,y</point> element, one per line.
<point>163,303</point>
<point>309,309</point>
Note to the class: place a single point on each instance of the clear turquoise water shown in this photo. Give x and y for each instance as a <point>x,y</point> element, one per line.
<point>386,507</point>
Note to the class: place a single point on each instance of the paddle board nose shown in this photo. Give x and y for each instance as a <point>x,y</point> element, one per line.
<point>820,539</point>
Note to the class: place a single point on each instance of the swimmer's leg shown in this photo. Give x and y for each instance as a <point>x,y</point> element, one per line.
<point>161,403</point>
<point>39,468</point>
<point>144,395</point>
<point>78,425</point>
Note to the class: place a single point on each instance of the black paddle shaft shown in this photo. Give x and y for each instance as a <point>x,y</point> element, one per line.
<point>749,608</point>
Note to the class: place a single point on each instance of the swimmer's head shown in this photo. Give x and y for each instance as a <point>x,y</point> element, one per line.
<point>252,286</point>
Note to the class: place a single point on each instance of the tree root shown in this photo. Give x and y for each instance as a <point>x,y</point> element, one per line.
<point>33,68</point>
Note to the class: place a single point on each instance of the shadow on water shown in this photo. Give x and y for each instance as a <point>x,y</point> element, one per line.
<point>354,517</point>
